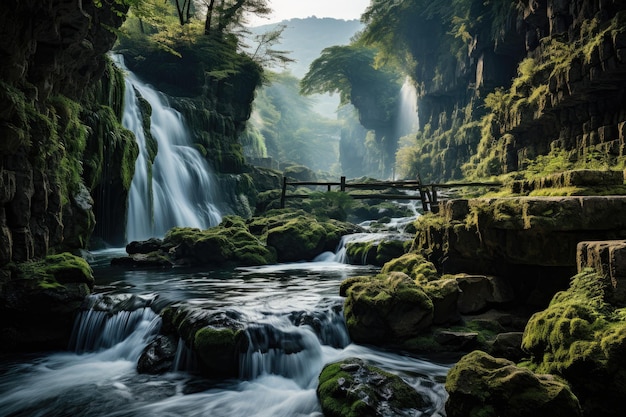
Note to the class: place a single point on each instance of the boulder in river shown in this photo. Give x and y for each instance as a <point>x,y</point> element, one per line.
<point>352,388</point>
<point>387,307</point>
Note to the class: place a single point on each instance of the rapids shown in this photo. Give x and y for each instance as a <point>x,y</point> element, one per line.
<point>97,375</point>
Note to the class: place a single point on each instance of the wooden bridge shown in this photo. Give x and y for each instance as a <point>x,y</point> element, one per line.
<point>426,193</point>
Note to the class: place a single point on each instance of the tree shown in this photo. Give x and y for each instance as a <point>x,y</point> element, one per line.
<point>351,71</point>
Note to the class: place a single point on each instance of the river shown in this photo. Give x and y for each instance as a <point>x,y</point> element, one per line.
<point>97,375</point>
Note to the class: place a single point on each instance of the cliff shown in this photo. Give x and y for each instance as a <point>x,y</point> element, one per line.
<point>57,123</point>
<point>504,83</point>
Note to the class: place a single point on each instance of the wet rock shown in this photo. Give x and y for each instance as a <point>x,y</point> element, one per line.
<point>480,384</point>
<point>353,388</point>
<point>218,339</point>
<point>145,246</point>
<point>38,302</point>
<point>158,357</point>
<point>154,260</point>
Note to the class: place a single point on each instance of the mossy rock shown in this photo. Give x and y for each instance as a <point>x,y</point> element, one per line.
<point>217,338</point>
<point>39,302</point>
<point>582,338</point>
<point>388,308</point>
<point>299,239</point>
<point>296,235</point>
<point>480,385</point>
<point>414,265</point>
<point>229,243</point>
<point>351,388</point>
<point>218,350</point>
<point>56,270</point>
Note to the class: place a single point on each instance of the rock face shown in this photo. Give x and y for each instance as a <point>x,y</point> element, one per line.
<point>561,68</point>
<point>53,61</point>
<point>481,385</point>
<point>519,238</point>
<point>351,388</point>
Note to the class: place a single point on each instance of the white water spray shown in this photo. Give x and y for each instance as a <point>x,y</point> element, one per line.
<point>181,190</point>
<point>408,121</point>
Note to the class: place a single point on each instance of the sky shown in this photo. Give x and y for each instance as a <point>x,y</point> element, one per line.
<point>289,9</point>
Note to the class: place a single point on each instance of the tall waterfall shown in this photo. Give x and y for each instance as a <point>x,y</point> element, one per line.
<point>407,121</point>
<point>179,188</point>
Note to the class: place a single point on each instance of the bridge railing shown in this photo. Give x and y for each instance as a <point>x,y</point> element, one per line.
<point>427,193</point>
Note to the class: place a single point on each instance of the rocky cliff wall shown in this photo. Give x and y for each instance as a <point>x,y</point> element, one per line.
<point>557,72</point>
<point>53,112</point>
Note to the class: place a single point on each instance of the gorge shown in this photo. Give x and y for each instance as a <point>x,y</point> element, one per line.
<point>222,305</point>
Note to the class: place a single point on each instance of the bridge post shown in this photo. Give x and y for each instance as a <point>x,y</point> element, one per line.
<point>434,204</point>
<point>282,196</point>
<point>343,184</point>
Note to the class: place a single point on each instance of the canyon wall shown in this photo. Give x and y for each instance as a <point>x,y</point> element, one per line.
<point>520,80</point>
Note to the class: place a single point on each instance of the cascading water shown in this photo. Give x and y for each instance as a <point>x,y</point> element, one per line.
<point>408,120</point>
<point>178,189</point>
<point>291,314</point>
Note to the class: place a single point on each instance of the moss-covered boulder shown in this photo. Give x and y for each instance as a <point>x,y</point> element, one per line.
<point>300,238</point>
<point>230,243</point>
<point>216,338</point>
<point>351,388</point>
<point>218,350</point>
<point>297,235</point>
<point>480,385</point>
<point>38,301</point>
<point>376,252</point>
<point>387,308</point>
<point>583,339</point>
<point>414,265</point>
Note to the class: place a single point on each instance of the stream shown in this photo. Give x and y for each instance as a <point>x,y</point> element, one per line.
<point>97,375</point>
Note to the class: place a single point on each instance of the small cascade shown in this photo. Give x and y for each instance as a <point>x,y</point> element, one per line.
<point>178,189</point>
<point>293,346</point>
<point>341,254</point>
<point>185,359</point>
<point>124,333</point>
<point>407,121</point>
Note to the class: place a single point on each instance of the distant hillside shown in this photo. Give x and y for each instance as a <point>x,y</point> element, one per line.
<point>306,38</point>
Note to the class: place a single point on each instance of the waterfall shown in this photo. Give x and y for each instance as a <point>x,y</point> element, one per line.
<point>124,333</point>
<point>407,121</point>
<point>178,189</point>
<point>293,346</point>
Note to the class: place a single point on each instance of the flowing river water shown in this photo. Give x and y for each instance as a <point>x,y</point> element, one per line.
<point>292,314</point>
<point>97,376</point>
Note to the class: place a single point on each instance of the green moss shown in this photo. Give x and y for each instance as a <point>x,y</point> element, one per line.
<point>218,350</point>
<point>579,336</point>
<point>229,243</point>
<point>385,308</point>
<point>56,270</point>
<point>414,265</point>
<point>344,392</point>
